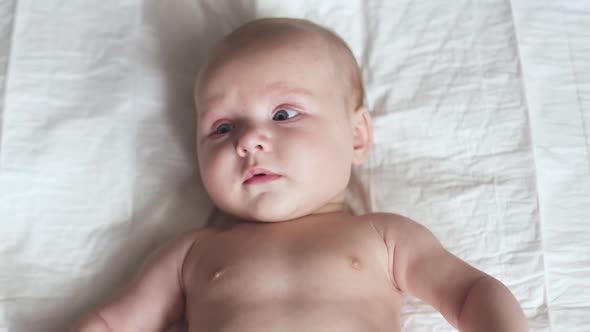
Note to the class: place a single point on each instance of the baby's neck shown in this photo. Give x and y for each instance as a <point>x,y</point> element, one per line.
<point>326,212</point>
<point>332,207</point>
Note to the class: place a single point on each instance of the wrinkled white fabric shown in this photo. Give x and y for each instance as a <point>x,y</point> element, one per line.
<point>480,112</point>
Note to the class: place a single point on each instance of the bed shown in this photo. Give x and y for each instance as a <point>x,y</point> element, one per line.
<point>481,115</point>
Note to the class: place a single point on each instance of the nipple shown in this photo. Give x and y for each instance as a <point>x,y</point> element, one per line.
<point>218,274</point>
<point>355,262</point>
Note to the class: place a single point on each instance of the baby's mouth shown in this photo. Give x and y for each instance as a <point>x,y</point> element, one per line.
<point>259,175</point>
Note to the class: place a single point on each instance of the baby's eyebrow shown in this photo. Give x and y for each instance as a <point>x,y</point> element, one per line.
<point>275,88</point>
<point>283,87</point>
<point>210,104</point>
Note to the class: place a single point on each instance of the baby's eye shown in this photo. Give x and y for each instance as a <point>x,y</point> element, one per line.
<point>223,128</point>
<point>284,114</point>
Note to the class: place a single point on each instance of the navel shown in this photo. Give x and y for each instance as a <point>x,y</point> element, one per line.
<point>355,262</point>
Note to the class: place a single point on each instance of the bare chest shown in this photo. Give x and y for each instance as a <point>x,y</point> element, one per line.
<point>328,276</point>
<point>311,261</point>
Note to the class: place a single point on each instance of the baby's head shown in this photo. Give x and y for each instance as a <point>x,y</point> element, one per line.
<point>280,121</point>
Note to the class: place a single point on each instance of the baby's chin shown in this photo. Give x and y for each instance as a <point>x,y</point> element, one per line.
<point>273,207</point>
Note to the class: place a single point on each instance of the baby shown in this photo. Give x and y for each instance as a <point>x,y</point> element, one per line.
<point>281,123</point>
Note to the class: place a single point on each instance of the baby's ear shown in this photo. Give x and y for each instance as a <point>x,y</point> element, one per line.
<point>362,130</point>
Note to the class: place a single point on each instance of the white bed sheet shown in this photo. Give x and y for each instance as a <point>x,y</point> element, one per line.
<point>479,109</point>
<point>554,43</point>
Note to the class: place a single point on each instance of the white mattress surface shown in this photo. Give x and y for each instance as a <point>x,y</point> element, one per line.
<point>480,112</point>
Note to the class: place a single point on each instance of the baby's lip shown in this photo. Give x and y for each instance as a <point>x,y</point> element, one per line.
<point>252,172</point>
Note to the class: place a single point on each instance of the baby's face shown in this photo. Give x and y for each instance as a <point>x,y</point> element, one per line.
<point>274,136</point>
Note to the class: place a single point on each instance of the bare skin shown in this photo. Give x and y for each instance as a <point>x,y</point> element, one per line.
<point>294,261</point>
<point>326,272</point>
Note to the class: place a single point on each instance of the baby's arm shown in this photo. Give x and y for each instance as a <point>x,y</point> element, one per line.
<point>469,299</point>
<point>153,300</point>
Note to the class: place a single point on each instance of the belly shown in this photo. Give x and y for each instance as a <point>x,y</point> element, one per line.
<point>276,315</point>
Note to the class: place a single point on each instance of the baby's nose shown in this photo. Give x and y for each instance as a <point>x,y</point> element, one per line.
<point>252,141</point>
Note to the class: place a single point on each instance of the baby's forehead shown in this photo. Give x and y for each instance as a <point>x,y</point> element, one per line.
<point>265,80</point>
<point>261,37</point>
<point>285,56</point>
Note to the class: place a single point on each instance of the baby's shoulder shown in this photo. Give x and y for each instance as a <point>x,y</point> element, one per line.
<point>384,221</point>
<point>177,248</point>
<point>393,227</point>
<point>188,239</point>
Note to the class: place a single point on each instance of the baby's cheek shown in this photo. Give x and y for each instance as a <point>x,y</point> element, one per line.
<point>212,168</point>
<point>329,163</point>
